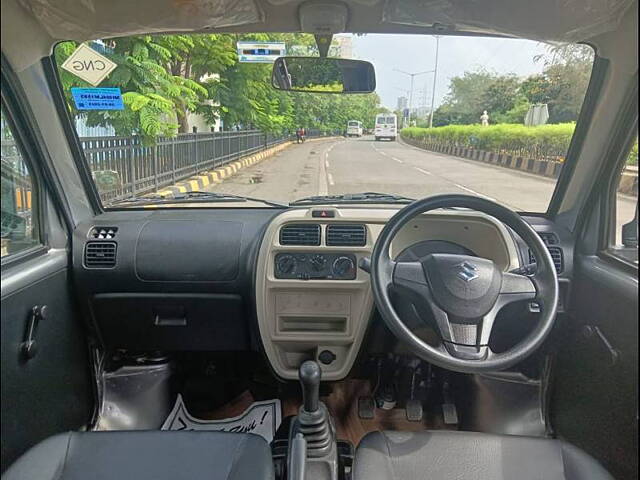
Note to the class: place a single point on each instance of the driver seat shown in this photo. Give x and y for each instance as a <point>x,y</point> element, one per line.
<point>470,456</point>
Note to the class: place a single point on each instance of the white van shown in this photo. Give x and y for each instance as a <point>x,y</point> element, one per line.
<point>354,128</point>
<point>386,126</point>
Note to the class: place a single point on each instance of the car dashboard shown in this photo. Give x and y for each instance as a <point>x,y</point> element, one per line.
<point>283,282</point>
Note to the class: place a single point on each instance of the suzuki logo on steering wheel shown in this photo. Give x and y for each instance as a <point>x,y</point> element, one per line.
<point>467,271</point>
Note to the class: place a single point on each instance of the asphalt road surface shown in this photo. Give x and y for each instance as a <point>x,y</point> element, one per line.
<point>358,165</point>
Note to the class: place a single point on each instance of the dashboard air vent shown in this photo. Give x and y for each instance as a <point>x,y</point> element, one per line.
<point>300,234</point>
<point>103,233</point>
<point>556,255</point>
<point>549,238</point>
<point>100,254</point>
<point>346,235</point>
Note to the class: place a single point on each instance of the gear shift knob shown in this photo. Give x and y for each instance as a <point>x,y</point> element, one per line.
<point>309,375</point>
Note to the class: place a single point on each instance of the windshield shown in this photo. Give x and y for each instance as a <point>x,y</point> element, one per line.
<point>159,116</point>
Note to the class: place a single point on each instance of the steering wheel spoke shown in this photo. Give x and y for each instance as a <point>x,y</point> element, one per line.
<point>516,288</point>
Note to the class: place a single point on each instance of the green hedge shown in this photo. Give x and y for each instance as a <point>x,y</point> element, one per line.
<point>544,141</point>
<point>633,155</point>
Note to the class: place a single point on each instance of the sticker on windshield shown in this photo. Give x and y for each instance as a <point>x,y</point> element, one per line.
<point>89,65</point>
<point>97,98</point>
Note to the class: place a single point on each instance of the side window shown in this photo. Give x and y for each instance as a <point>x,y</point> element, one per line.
<point>625,241</point>
<point>19,198</point>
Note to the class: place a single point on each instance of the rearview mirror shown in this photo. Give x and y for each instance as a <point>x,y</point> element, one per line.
<point>323,75</point>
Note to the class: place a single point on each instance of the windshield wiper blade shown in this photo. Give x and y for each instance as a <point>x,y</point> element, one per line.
<point>364,197</point>
<point>196,195</point>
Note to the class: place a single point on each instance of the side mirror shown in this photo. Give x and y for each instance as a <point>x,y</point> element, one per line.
<point>107,180</point>
<point>14,226</point>
<point>323,75</point>
<point>630,232</point>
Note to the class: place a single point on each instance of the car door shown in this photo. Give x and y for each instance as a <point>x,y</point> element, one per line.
<point>594,403</point>
<point>46,384</point>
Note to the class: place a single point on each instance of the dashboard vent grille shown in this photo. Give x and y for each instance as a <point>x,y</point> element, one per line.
<point>103,233</point>
<point>556,255</point>
<point>300,234</point>
<point>100,254</point>
<point>346,235</point>
<point>549,238</point>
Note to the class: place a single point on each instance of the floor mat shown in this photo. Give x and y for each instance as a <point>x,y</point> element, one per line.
<point>261,418</point>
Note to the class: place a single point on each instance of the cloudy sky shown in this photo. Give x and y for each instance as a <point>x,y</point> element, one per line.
<point>416,53</point>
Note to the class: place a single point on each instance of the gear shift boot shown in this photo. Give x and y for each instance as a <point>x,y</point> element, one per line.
<point>314,424</point>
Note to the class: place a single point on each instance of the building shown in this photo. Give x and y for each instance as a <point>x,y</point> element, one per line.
<point>421,112</point>
<point>403,102</point>
<point>197,122</point>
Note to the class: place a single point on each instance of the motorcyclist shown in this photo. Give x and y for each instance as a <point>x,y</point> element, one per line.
<point>300,134</point>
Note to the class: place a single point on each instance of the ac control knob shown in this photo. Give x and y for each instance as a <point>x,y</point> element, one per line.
<point>343,267</point>
<point>318,262</point>
<point>286,264</point>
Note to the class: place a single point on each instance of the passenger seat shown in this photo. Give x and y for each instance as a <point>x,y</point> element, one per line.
<point>142,455</point>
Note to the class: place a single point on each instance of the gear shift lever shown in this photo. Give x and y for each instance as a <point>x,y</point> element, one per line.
<point>309,375</point>
<point>313,429</point>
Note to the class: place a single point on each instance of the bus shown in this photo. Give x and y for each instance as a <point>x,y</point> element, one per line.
<point>354,128</point>
<point>386,126</point>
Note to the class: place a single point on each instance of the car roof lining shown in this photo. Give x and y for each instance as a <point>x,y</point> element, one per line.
<point>544,20</point>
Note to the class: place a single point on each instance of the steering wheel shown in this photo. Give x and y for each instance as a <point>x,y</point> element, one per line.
<point>464,293</point>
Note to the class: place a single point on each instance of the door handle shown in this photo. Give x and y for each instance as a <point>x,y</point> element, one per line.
<point>29,347</point>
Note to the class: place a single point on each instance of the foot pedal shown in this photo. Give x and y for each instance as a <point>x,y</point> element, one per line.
<point>414,410</point>
<point>450,414</point>
<point>366,408</point>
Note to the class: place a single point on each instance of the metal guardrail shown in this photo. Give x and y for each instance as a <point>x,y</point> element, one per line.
<point>146,168</point>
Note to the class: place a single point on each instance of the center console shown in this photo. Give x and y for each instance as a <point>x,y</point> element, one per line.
<point>313,302</point>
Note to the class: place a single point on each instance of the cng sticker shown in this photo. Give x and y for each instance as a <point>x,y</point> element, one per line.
<point>89,65</point>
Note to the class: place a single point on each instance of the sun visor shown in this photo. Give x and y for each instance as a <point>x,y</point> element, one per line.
<point>545,20</point>
<point>93,19</point>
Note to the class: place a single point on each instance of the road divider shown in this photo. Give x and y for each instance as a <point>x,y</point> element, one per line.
<point>542,167</point>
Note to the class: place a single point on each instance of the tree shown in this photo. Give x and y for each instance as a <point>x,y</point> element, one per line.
<point>500,95</point>
<point>563,83</point>
<point>151,94</point>
<point>164,77</point>
<point>474,92</point>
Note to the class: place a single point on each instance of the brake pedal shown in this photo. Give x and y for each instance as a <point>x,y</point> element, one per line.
<point>449,411</point>
<point>450,414</point>
<point>366,408</point>
<point>413,410</point>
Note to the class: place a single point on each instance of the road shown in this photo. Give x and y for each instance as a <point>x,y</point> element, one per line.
<point>357,165</point>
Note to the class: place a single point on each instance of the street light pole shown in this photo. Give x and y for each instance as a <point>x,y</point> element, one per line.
<point>435,75</point>
<point>412,75</point>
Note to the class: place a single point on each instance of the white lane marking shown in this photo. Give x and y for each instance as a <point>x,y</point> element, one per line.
<point>330,177</point>
<point>326,163</point>
<point>323,187</point>
<point>423,171</point>
<point>474,192</point>
<point>397,160</point>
